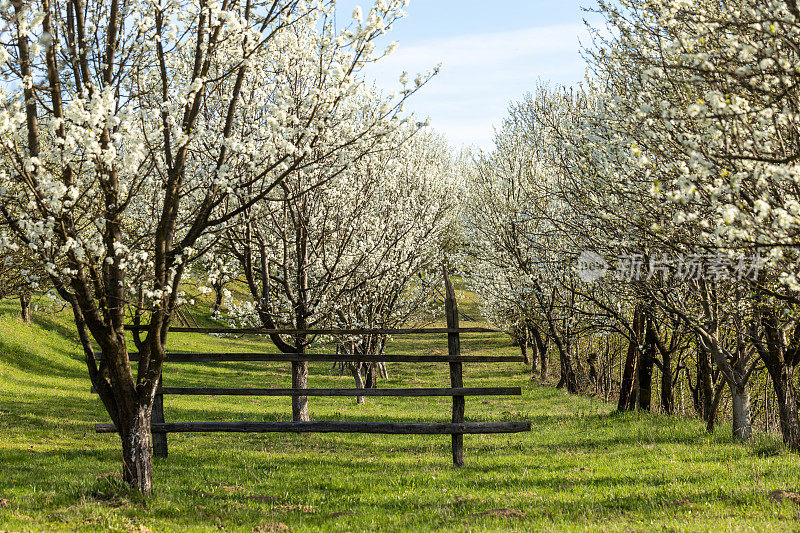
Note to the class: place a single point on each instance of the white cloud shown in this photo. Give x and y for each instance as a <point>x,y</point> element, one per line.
<point>490,48</point>
<point>482,73</point>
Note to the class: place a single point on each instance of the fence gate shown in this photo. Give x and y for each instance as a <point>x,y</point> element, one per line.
<point>457,428</point>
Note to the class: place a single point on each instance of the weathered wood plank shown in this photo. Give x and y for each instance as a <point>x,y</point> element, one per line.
<point>456,371</point>
<point>197,357</point>
<point>160,448</point>
<point>406,392</point>
<point>416,428</point>
<point>360,331</point>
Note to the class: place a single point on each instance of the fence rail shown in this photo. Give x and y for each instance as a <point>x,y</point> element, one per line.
<point>321,426</point>
<point>457,428</point>
<point>197,357</point>
<point>360,331</point>
<point>403,393</point>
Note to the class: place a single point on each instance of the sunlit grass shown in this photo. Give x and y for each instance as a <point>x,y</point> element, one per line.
<point>582,467</point>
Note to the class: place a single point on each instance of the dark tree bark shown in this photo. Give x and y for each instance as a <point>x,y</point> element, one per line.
<point>217,297</point>
<point>741,411</point>
<point>626,390</point>
<point>647,357</point>
<point>137,462</point>
<point>521,337</point>
<point>593,374</point>
<point>541,349</point>
<point>534,354</point>
<point>714,408</point>
<point>668,378</point>
<point>355,370</point>
<point>523,348</point>
<point>25,308</point>
<point>781,356</point>
<point>568,377</point>
<point>703,391</point>
<point>783,383</point>
<point>372,376</point>
<point>667,384</point>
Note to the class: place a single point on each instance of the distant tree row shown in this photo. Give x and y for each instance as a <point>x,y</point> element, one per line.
<point>674,171</point>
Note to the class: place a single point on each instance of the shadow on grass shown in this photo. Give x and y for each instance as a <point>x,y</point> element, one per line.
<point>50,324</point>
<point>34,360</point>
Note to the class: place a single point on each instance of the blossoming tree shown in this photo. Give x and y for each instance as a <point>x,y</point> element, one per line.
<point>128,128</point>
<point>349,254</point>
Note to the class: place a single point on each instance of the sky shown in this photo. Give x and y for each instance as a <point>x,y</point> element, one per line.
<point>492,53</point>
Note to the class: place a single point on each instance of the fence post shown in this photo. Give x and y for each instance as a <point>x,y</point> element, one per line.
<point>160,438</point>
<point>456,377</point>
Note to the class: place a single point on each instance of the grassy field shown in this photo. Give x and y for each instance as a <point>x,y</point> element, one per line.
<point>582,467</point>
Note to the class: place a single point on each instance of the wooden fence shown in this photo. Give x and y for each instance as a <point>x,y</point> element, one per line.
<point>457,428</point>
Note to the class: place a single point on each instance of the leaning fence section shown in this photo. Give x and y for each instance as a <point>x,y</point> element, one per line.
<point>456,428</point>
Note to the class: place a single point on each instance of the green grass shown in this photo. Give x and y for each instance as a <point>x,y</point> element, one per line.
<point>582,467</point>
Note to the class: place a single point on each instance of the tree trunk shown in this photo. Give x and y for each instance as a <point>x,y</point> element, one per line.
<point>541,349</point>
<point>783,382</point>
<point>741,411</point>
<point>645,370</point>
<point>523,347</point>
<point>524,340</point>
<point>667,390</point>
<point>740,394</point>
<point>716,397</point>
<point>128,405</point>
<point>534,357</point>
<point>301,314</point>
<point>543,359</point>
<point>626,386</point>
<point>781,360</point>
<point>300,381</point>
<point>217,299</point>
<point>568,377</point>
<point>25,309</point>
<point>629,371</point>
<point>356,371</point>
<point>704,392</point>
<point>593,374</point>
<point>137,457</point>
<point>372,376</point>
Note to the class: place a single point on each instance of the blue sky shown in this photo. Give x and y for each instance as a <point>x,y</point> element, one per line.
<point>492,53</point>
